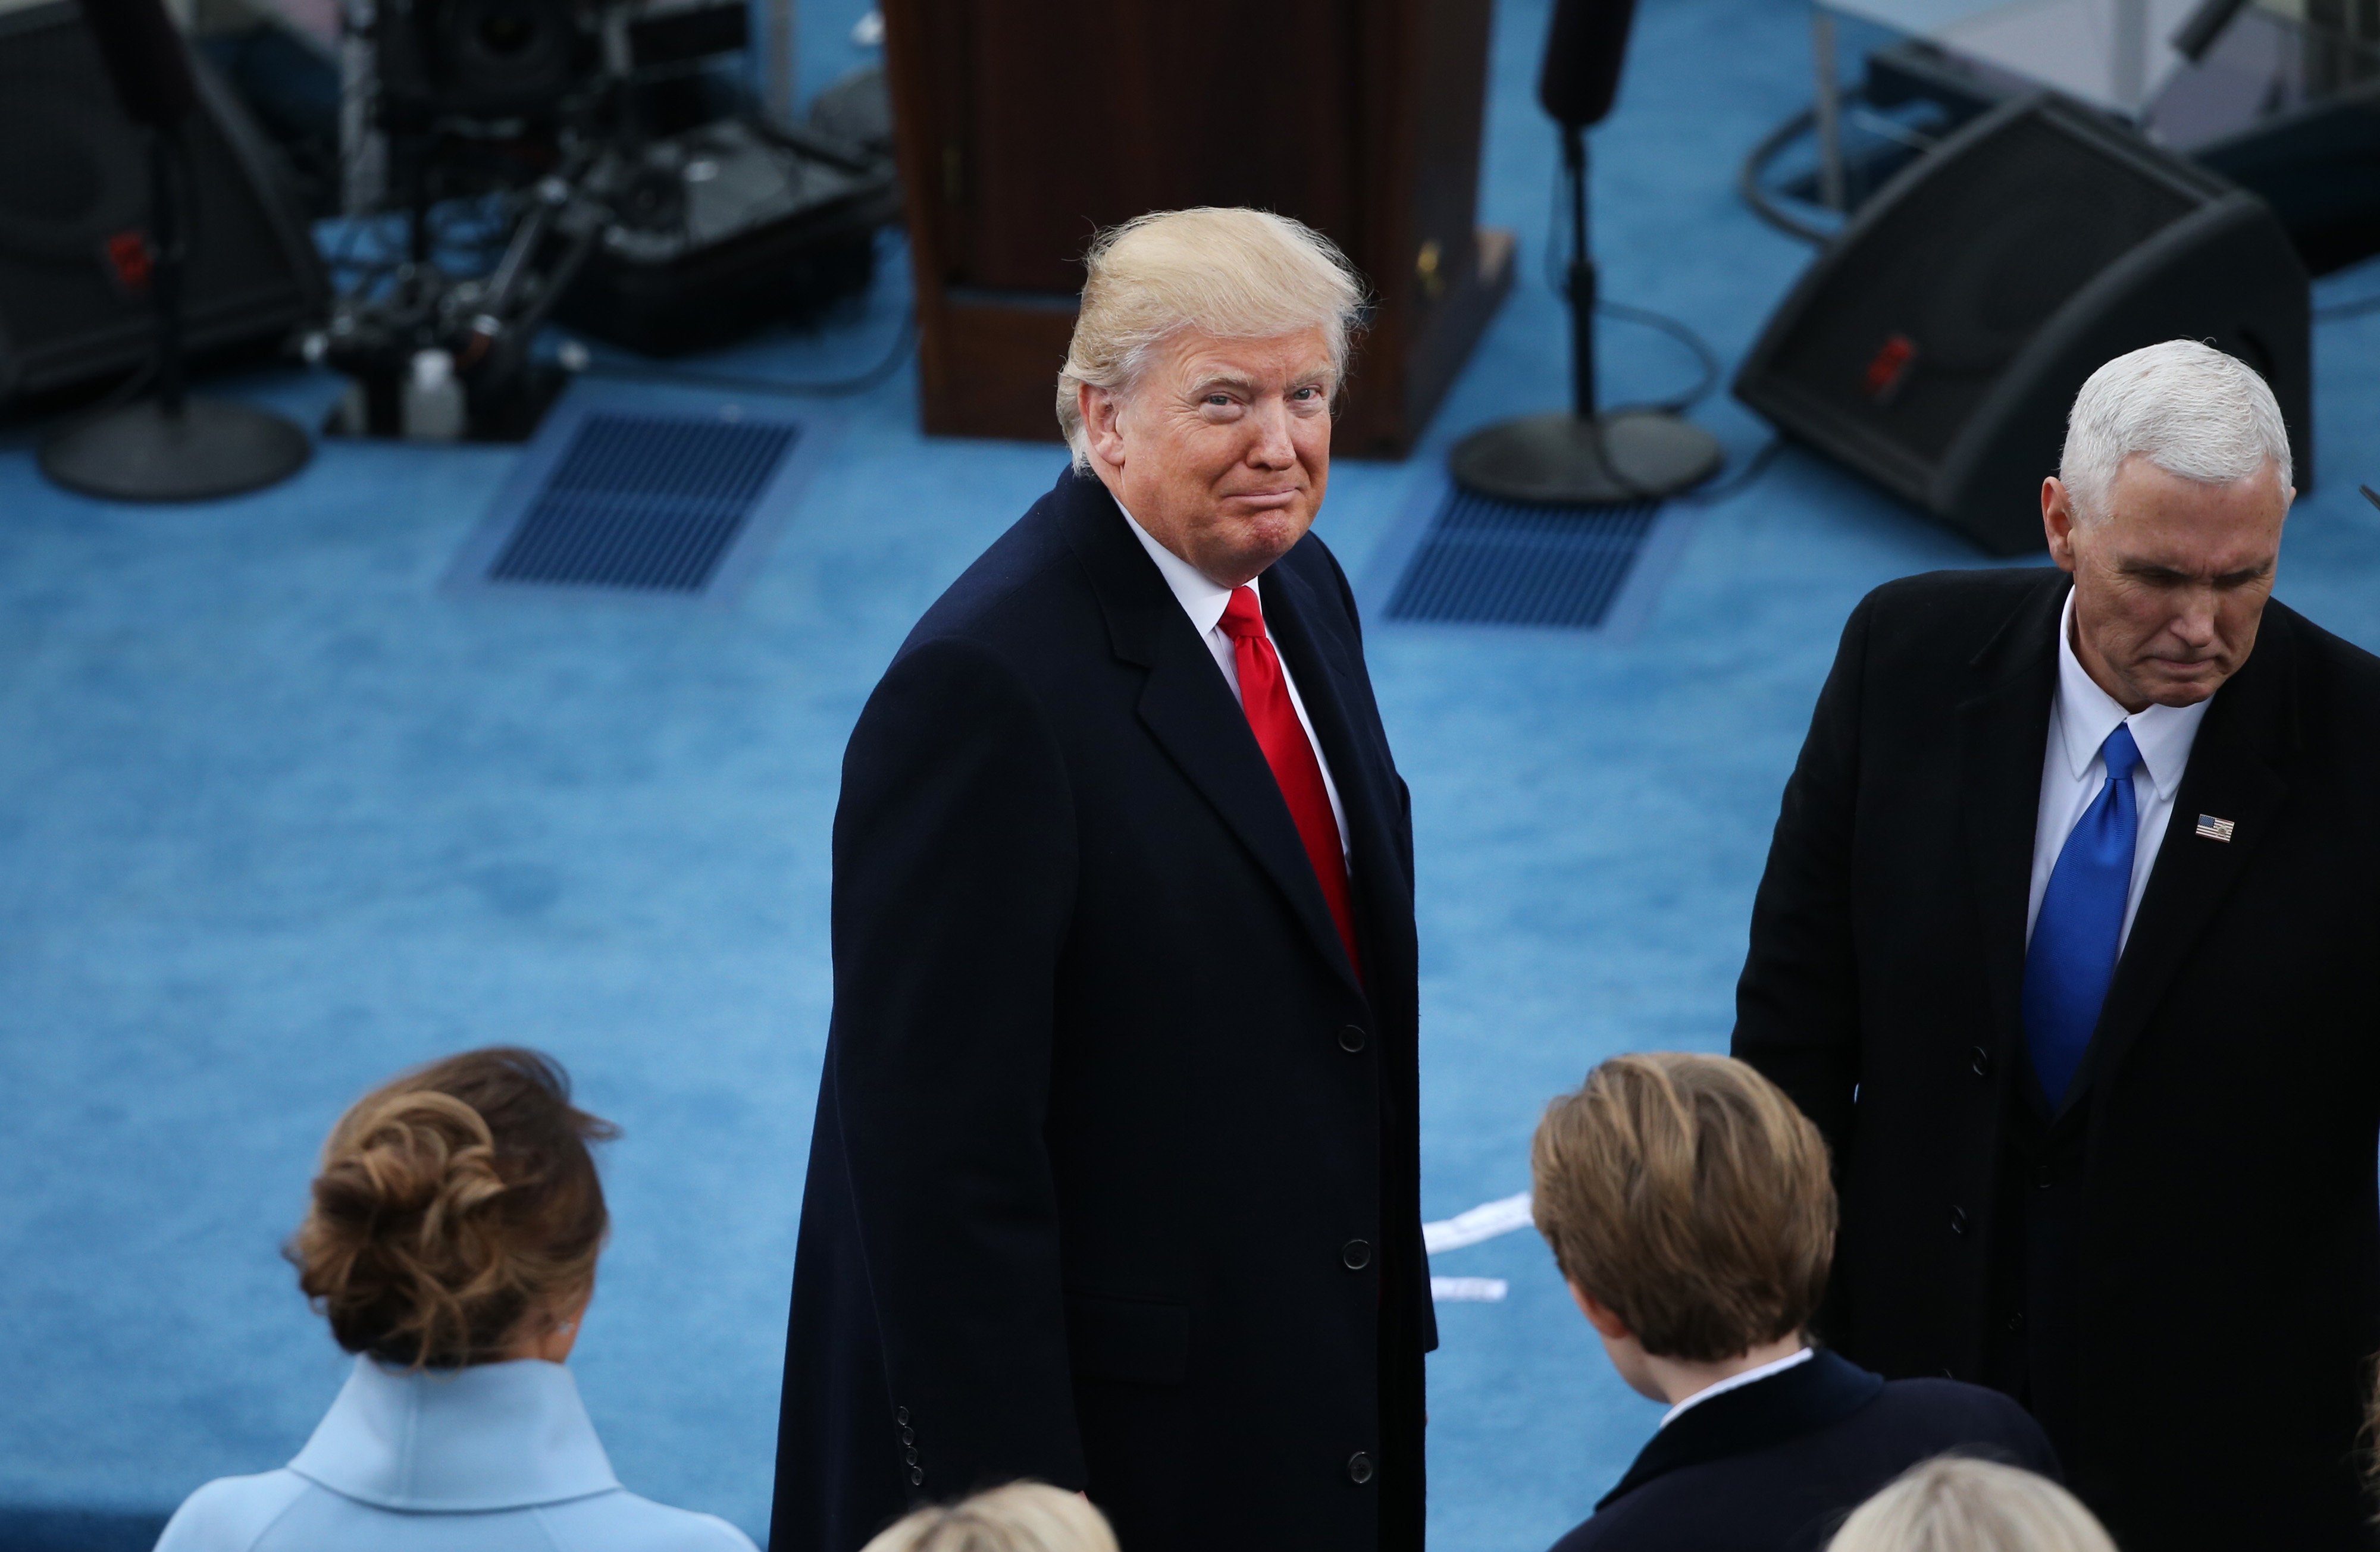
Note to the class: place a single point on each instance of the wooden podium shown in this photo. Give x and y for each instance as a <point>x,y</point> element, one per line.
<point>1026,125</point>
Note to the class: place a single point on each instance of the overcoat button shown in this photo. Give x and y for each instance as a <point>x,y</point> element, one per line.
<point>917,1477</point>
<point>1359,1468</point>
<point>1958,1220</point>
<point>2042,1177</point>
<point>1981,1060</point>
<point>910,1455</point>
<point>2016,1321</point>
<point>908,1436</point>
<point>1351,1038</point>
<point>901,1415</point>
<point>1357,1255</point>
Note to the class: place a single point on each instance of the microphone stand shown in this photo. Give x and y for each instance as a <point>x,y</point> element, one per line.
<point>1584,458</point>
<point>173,448</point>
<point>1581,289</point>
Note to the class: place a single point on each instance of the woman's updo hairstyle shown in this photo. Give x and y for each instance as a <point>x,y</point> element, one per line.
<point>452,1202</point>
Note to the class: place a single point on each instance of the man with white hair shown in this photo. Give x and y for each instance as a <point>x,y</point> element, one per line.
<point>2067,943</point>
<point>1115,1178</point>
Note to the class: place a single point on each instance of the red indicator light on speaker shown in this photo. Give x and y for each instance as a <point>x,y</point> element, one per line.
<point>1888,366</point>
<point>130,260</point>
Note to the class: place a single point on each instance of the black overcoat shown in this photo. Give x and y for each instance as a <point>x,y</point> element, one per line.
<point>1777,1465</point>
<point>2179,1271</point>
<point>1115,1178</point>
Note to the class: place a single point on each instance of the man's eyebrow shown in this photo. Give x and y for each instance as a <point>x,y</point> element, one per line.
<point>2158,571</point>
<point>1321,372</point>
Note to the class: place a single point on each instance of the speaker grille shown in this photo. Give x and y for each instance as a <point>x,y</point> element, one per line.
<point>1931,303</point>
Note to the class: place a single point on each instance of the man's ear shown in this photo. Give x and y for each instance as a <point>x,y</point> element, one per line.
<point>2057,521</point>
<point>1101,411</point>
<point>1602,1316</point>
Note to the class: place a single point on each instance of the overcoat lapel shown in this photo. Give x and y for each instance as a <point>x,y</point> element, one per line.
<point>2230,776</point>
<point>2003,734</point>
<point>1189,710</point>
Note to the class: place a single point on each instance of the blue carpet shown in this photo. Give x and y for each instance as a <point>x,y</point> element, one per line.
<point>277,815</point>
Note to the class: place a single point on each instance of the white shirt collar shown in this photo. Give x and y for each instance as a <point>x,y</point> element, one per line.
<point>1200,598</point>
<point>1736,1382</point>
<point>2087,714</point>
<point>493,1435</point>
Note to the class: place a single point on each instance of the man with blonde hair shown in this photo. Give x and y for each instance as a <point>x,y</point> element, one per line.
<point>1687,1203</point>
<point>2066,945</point>
<point>1114,1182</point>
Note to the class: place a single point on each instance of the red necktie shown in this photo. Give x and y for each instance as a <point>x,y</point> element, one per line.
<point>1264,694</point>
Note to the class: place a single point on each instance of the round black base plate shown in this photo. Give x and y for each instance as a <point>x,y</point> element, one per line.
<point>1560,460</point>
<point>139,452</point>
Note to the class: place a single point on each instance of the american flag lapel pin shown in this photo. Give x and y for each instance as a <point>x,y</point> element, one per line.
<point>2213,828</point>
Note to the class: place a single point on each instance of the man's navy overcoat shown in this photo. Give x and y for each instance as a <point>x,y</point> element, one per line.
<point>1114,1180</point>
<point>2178,1270</point>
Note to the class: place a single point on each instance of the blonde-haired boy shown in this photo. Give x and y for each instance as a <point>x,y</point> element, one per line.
<point>1689,1207</point>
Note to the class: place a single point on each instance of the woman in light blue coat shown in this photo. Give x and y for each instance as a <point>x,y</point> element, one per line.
<point>451,1244</point>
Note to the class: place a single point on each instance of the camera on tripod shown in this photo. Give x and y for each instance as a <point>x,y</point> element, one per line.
<point>485,59</point>
<point>595,155</point>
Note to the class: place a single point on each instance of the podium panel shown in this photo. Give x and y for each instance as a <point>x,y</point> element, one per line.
<point>1024,128</point>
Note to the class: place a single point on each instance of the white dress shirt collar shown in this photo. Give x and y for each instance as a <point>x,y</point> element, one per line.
<point>1202,598</point>
<point>1737,1382</point>
<point>492,1436</point>
<point>2087,714</point>
<point>1204,601</point>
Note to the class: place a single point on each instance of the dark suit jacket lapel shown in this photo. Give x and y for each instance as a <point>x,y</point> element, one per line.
<point>2230,776</point>
<point>1803,1400</point>
<point>1188,708</point>
<point>2003,734</point>
<point>1329,684</point>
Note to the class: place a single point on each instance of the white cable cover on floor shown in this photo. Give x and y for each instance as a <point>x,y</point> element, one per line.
<point>1482,1222</point>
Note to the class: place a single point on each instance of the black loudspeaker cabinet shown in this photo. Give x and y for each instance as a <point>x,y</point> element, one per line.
<point>74,217</point>
<point>1939,341</point>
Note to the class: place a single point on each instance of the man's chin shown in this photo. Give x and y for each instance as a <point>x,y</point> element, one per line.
<point>1254,544</point>
<point>2172,689</point>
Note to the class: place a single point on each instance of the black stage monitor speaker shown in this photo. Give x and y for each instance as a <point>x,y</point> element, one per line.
<point>1938,343</point>
<point>75,258</point>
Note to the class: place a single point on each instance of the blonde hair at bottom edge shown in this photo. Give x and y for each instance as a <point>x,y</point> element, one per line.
<point>1021,1517</point>
<point>1952,1504</point>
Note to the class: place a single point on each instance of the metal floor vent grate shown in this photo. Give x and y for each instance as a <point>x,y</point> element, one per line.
<point>1490,562</point>
<point>646,502</point>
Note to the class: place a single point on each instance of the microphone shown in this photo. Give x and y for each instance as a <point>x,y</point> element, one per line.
<point>145,59</point>
<point>1586,45</point>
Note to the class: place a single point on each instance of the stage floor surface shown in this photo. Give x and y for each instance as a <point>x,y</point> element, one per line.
<point>278,816</point>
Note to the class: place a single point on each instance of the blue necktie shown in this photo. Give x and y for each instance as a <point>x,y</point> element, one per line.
<point>2080,924</point>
